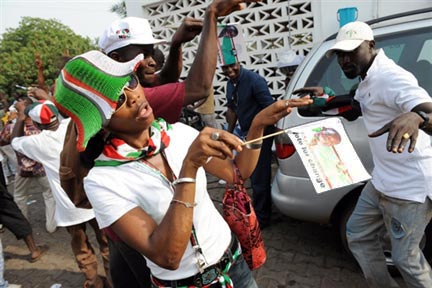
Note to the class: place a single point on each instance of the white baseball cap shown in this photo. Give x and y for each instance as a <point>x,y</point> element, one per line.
<point>288,58</point>
<point>350,36</point>
<point>127,31</point>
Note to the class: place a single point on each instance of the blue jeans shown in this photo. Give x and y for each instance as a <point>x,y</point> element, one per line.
<point>3,283</point>
<point>241,274</point>
<point>405,222</point>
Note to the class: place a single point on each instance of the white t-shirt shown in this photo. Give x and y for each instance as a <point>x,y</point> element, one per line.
<point>113,191</point>
<point>386,92</point>
<point>45,148</point>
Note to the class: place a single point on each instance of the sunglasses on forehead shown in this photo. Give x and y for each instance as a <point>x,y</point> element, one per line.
<point>131,85</point>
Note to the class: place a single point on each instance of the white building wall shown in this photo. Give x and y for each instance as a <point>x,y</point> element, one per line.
<point>268,28</point>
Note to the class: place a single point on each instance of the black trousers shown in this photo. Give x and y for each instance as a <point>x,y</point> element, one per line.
<point>10,215</point>
<point>127,267</point>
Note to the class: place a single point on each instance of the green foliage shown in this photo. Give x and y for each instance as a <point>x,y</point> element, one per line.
<point>35,36</point>
<point>119,9</point>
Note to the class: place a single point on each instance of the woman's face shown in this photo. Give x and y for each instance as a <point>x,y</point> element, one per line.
<point>133,113</point>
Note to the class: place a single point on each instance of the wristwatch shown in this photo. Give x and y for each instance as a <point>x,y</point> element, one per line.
<point>425,118</point>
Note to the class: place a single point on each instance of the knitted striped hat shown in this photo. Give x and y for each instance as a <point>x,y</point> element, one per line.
<point>42,112</point>
<point>88,88</point>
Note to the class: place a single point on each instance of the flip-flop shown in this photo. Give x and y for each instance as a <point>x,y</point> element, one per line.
<point>43,249</point>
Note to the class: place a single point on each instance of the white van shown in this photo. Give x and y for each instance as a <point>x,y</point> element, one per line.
<point>407,39</point>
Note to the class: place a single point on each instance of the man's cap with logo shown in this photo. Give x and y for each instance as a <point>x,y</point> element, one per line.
<point>42,112</point>
<point>88,88</point>
<point>127,31</point>
<point>351,36</point>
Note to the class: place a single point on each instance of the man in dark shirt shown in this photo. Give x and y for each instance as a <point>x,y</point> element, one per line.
<point>247,94</point>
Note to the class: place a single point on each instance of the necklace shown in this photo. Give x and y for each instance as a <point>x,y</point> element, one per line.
<point>166,173</point>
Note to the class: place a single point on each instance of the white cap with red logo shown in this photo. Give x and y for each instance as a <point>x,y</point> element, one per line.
<point>127,31</point>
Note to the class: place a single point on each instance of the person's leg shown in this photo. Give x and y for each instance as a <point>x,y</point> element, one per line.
<point>406,222</point>
<point>261,184</point>
<point>13,219</point>
<point>3,179</point>
<point>11,158</point>
<point>102,240</point>
<point>21,193</point>
<point>123,274</point>
<point>50,224</point>
<point>36,251</point>
<point>363,229</point>
<point>210,120</point>
<point>241,275</point>
<point>137,266</point>
<point>84,255</point>
<point>3,283</point>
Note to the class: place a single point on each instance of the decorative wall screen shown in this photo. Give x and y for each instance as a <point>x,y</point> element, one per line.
<point>268,27</point>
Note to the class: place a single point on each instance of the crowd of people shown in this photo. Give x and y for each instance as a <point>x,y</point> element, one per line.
<point>106,149</point>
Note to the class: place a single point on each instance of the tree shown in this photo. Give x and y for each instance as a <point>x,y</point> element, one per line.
<point>119,9</point>
<point>49,39</point>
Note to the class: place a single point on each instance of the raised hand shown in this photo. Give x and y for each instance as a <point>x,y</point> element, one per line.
<point>38,93</point>
<point>226,7</point>
<point>188,30</point>
<point>273,113</point>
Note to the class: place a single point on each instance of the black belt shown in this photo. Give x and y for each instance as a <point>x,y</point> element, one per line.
<point>210,273</point>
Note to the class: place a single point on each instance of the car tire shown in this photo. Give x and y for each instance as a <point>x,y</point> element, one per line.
<point>342,221</point>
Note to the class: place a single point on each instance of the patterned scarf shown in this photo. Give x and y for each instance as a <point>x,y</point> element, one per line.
<point>117,152</point>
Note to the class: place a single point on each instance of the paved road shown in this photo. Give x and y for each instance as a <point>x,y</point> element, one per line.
<point>299,254</point>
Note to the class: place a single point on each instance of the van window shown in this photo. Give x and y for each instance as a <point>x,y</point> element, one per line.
<point>410,49</point>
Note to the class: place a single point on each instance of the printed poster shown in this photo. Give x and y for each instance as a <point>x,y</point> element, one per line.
<point>231,44</point>
<point>327,154</point>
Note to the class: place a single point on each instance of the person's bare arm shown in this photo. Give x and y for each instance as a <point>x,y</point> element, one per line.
<point>173,234</point>
<point>18,129</point>
<point>40,75</point>
<point>231,118</point>
<point>246,160</point>
<point>199,81</point>
<point>172,69</point>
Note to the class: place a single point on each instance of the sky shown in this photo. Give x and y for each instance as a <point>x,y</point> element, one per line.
<point>85,18</point>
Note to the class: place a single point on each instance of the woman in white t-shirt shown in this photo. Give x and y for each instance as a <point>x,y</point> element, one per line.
<point>149,184</point>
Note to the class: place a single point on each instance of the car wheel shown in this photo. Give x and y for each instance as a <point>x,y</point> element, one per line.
<point>343,219</point>
<point>425,244</point>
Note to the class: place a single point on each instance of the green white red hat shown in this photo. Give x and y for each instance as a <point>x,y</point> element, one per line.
<point>88,88</point>
<point>42,112</point>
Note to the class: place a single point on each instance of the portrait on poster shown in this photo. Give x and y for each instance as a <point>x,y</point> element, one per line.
<point>328,154</point>
<point>231,44</point>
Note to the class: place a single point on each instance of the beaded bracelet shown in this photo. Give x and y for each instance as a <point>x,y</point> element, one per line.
<point>186,204</point>
<point>183,180</point>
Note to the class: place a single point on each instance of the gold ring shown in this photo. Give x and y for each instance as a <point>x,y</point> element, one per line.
<point>406,136</point>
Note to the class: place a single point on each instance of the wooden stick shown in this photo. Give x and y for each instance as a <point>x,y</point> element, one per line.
<point>268,136</point>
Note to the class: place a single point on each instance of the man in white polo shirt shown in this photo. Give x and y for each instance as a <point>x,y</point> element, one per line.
<point>397,199</point>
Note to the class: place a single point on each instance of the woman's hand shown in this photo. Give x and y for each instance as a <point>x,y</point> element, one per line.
<point>212,143</point>
<point>273,113</point>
